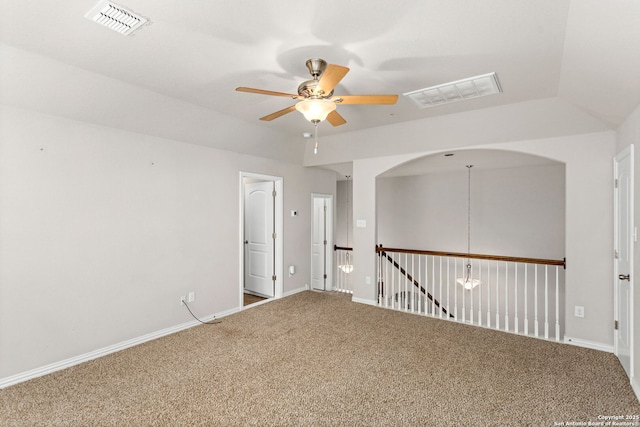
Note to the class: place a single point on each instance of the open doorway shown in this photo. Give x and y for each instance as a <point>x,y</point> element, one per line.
<point>261,237</point>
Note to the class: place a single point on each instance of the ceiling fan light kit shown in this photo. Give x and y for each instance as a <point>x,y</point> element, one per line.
<point>315,110</point>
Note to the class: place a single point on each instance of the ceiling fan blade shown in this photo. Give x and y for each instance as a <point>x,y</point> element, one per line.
<point>365,99</point>
<point>278,114</point>
<point>330,77</point>
<point>335,119</point>
<point>265,92</point>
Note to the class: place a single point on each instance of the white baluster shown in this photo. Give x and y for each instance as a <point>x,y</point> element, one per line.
<point>515,295</point>
<point>535,301</point>
<point>448,287</point>
<point>387,284</point>
<point>497,295</point>
<point>440,293</point>
<point>455,295</point>
<point>546,302</point>
<point>526,296</point>
<point>401,278</point>
<point>480,293</point>
<point>557,308</point>
<point>412,285</point>
<point>420,282</point>
<point>426,284</point>
<point>423,283</point>
<point>471,296</point>
<point>433,285</point>
<point>488,294</point>
<point>506,296</point>
<point>464,299</point>
<point>394,294</point>
<point>407,296</point>
<point>378,276</point>
<point>343,276</point>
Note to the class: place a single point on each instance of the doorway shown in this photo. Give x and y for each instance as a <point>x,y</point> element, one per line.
<point>322,242</point>
<point>261,238</point>
<point>624,239</point>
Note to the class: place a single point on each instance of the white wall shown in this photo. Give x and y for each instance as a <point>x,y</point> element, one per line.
<point>524,121</point>
<point>514,211</point>
<point>102,230</point>
<point>64,90</point>
<point>344,213</point>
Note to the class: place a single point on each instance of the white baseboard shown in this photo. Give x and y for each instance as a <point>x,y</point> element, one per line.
<point>295,291</point>
<point>636,388</point>
<point>364,301</point>
<point>76,360</point>
<point>589,344</point>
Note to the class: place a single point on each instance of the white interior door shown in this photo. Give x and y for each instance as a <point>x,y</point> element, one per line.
<point>624,241</point>
<point>322,242</point>
<point>259,229</point>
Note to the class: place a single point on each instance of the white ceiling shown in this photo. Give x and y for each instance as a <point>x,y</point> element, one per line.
<point>198,52</point>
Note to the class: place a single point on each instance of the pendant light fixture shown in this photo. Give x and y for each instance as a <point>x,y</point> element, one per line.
<point>347,267</point>
<point>467,281</point>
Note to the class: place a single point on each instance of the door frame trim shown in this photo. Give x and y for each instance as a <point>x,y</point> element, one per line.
<point>279,221</point>
<point>330,240</point>
<point>628,151</point>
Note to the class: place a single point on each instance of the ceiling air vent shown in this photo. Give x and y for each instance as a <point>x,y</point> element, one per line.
<point>473,87</point>
<point>116,18</point>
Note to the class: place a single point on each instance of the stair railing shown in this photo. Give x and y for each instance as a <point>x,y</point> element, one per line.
<point>407,296</point>
<point>514,294</point>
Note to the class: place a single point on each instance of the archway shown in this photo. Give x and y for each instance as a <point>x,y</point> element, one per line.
<point>424,212</point>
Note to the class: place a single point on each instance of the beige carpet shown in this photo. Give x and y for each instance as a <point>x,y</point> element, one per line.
<point>316,359</point>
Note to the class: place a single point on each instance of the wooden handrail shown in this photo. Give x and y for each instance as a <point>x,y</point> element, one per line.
<point>341,248</point>
<point>562,262</point>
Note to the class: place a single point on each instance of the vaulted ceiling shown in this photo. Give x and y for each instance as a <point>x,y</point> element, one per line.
<point>584,52</point>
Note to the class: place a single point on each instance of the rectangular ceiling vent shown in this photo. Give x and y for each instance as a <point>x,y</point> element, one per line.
<point>116,18</point>
<point>472,87</point>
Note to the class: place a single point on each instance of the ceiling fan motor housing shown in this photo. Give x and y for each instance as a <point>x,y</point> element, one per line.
<point>308,90</point>
<point>316,67</point>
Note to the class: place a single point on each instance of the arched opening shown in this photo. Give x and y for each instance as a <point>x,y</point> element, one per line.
<point>517,201</point>
<point>512,205</point>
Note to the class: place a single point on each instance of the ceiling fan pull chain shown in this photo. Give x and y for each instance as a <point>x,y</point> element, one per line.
<point>315,149</point>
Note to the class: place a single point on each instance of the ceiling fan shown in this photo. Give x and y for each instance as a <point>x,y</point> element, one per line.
<point>317,102</point>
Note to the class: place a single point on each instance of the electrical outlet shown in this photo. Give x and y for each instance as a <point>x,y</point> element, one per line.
<point>182,299</point>
<point>579,311</point>
<point>191,297</point>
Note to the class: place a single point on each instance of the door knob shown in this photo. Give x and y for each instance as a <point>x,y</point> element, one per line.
<point>624,277</point>
<point>246,242</point>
